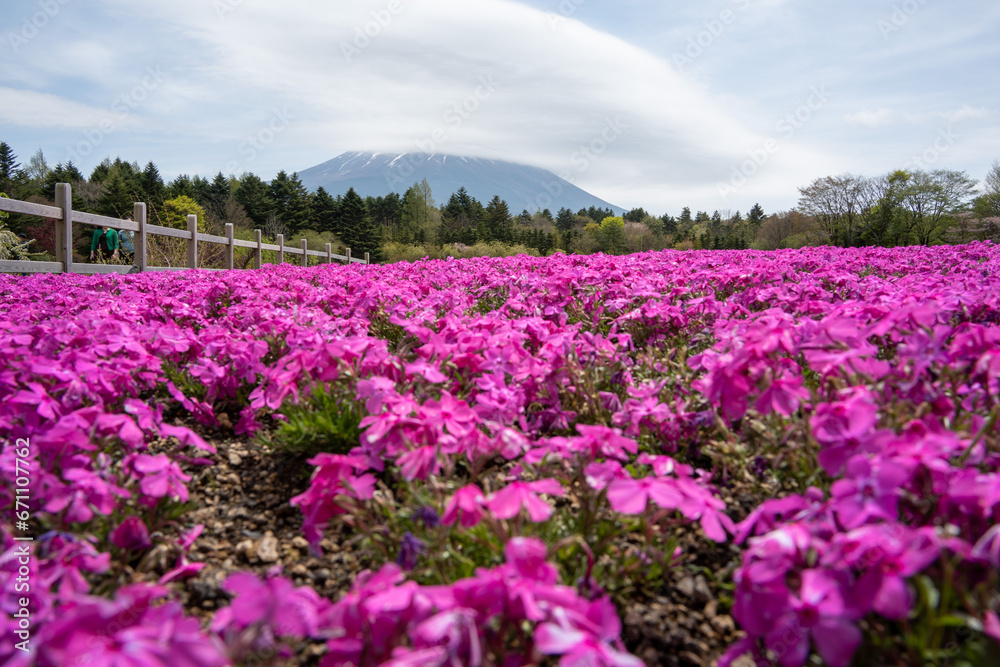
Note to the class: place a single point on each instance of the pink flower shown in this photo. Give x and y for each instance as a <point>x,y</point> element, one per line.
<point>131,534</point>
<point>868,493</point>
<point>991,625</point>
<point>819,612</point>
<point>160,477</point>
<point>508,501</point>
<point>629,496</point>
<point>465,506</point>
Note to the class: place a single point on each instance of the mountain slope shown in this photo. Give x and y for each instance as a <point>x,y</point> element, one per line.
<point>521,186</point>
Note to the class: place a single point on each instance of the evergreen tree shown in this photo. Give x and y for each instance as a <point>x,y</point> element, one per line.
<point>253,194</point>
<point>200,187</point>
<point>635,215</point>
<point>496,221</point>
<point>755,217</point>
<point>61,174</point>
<point>325,211</point>
<point>115,200</point>
<point>181,186</point>
<point>9,168</point>
<point>291,202</point>
<point>151,185</point>
<point>352,220</point>
<point>218,193</point>
<point>564,220</point>
<point>460,218</point>
<point>669,223</point>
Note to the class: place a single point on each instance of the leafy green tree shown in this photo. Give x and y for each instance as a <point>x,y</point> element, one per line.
<point>177,209</point>
<point>612,235</point>
<point>929,202</point>
<point>416,217</point>
<point>987,205</point>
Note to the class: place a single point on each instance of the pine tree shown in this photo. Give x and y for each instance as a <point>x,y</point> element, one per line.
<point>291,201</point>
<point>218,194</point>
<point>325,211</point>
<point>460,218</point>
<point>352,220</point>
<point>115,200</point>
<point>254,195</point>
<point>565,220</point>
<point>496,221</point>
<point>9,168</point>
<point>151,185</point>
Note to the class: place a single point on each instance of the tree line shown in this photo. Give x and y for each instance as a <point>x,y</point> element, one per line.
<point>899,208</point>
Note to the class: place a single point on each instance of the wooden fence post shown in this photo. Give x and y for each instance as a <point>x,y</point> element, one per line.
<point>280,240</point>
<point>305,253</point>
<point>348,253</point>
<point>258,254</point>
<point>139,240</point>
<point>193,242</point>
<point>329,253</point>
<point>64,227</point>
<point>366,259</point>
<point>230,249</point>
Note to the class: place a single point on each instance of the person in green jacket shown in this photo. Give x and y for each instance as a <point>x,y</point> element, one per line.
<point>105,244</point>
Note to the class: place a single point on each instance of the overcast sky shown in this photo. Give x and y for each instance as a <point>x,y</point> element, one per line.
<point>653,103</point>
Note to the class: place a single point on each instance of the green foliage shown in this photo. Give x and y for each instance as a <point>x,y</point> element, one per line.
<point>402,252</point>
<point>179,208</point>
<point>11,247</point>
<point>325,421</point>
<point>611,235</point>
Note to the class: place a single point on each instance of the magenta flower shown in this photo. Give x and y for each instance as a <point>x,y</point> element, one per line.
<point>841,426</point>
<point>508,501</point>
<point>465,506</point>
<point>275,604</point>
<point>131,534</point>
<point>868,493</point>
<point>818,612</point>
<point>629,496</point>
<point>887,554</point>
<point>160,477</point>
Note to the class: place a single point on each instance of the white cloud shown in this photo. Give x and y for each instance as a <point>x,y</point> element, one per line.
<point>26,108</point>
<point>493,78</point>
<point>877,118</point>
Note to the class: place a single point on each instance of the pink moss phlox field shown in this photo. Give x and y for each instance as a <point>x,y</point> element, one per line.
<point>867,379</point>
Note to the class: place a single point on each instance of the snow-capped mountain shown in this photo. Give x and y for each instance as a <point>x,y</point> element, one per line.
<point>521,186</point>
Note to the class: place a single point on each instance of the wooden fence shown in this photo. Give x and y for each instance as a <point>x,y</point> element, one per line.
<point>65,216</point>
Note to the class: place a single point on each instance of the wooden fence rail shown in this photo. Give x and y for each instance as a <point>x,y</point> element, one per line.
<point>64,216</point>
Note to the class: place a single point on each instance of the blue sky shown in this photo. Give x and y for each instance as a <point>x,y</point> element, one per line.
<point>712,105</point>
